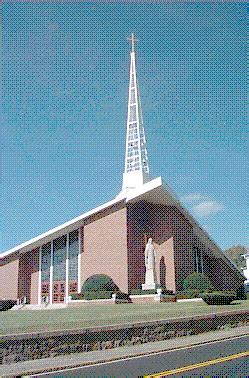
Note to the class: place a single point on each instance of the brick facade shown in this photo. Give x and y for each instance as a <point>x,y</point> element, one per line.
<point>172,237</point>
<point>9,277</point>
<point>104,250</point>
<point>113,242</point>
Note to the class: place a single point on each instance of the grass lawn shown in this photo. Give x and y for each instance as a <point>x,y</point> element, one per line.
<point>13,322</point>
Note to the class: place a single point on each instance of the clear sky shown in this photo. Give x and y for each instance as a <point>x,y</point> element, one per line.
<point>65,102</point>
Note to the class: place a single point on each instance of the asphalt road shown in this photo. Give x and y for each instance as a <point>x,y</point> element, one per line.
<point>180,358</point>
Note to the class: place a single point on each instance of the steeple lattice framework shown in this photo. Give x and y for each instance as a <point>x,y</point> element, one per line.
<point>136,158</point>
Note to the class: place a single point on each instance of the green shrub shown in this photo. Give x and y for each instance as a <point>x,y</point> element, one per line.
<point>76,296</point>
<point>122,298</point>
<point>92,295</point>
<point>151,291</point>
<point>218,298</point>
<point>168,298</point>
<point>167,292</point>
<point>197,281</point>
<point>188,294</point>
<point>143,292</point>
<point>7,304</point>
<point>99,282</point>
<point>241,293</point>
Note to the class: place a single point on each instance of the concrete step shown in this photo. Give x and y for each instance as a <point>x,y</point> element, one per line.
<point>17,307</point>
<point>53,306</point>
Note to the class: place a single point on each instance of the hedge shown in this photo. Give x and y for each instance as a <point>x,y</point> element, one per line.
<point>218,298</point>
<point>188,294</point>
<point>122,298</point>
<point>7,304</point>
<point>151,291</point>
<point>197,281</point>
<point>168,298</point>
<point>143,292</point>
<point>99,282</point>
<point>91,295</point>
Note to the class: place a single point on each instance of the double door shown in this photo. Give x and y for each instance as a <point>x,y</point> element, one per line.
<point>59,291</point>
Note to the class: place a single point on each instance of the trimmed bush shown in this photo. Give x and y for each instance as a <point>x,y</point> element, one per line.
<point>99,282</point>
<point>91,295</point>
<point>142,292</point>
<point>122,298</point>
<point>167,292</point>
<point>168,298</point>
<point>77,296</point>
<point>218,298</point>
<point>188,294</point>
<point>197,281</point>
<point>151,291</point>
<point>241,292</point>
<point>7,304</point>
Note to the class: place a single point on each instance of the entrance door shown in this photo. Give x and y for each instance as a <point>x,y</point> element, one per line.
<point>59,288</point>
<point>45,290</point>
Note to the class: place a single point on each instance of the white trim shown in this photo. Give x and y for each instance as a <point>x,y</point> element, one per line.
<point>79,259</point>
<point>67,270</point>
<point>59,230</point>
<point>39,276</point>
<point>154,191</point>
<point>51,272</point>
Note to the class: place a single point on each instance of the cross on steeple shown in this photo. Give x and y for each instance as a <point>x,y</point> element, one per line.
<point>133,40</point>
<point>136,171</point>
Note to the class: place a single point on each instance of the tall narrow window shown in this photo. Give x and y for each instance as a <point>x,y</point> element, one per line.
<point>198,260</point>
<point>73,261</point>
<point>60,259</point>
<point>45,269</point>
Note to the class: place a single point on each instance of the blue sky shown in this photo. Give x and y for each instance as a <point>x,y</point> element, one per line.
<point>65,101</point>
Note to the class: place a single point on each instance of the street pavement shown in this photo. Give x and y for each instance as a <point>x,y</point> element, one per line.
<point>119,361</point>
<point>168,361</point>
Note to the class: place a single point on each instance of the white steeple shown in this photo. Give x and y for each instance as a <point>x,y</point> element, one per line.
<point>136,161</point>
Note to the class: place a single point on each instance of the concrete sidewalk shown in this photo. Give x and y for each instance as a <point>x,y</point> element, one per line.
<point>88,358</point>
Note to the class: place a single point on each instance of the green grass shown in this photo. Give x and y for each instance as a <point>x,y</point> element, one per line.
<point>13,322</point>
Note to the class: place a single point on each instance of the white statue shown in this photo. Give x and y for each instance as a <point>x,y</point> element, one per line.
<point>150,255</point>
<point>150,265</point>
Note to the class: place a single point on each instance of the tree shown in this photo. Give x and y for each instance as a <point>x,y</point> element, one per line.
<point>234,253</point>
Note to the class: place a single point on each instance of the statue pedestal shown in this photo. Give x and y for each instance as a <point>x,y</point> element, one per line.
<point>150,280</point>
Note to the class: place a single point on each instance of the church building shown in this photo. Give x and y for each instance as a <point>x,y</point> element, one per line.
<point>111,238</point>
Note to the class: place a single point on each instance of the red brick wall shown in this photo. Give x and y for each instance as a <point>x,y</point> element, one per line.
<point>183,246</point>
<point>165,264</point>
<point>24,275</point>
<point>28,276</point>
<point>34,269</point>
<point>104,250</point>
<point>9,277</point>
<point>135,246</point>
<point>172,237</point>
<point>222,276</point>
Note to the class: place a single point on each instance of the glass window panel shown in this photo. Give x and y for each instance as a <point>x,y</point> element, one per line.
<point>45,262</point>
<point>59,259</point>
<point>73,255</point>
<point>198,260</point>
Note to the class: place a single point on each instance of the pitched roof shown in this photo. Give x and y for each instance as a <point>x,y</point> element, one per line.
<point>154,191</point>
